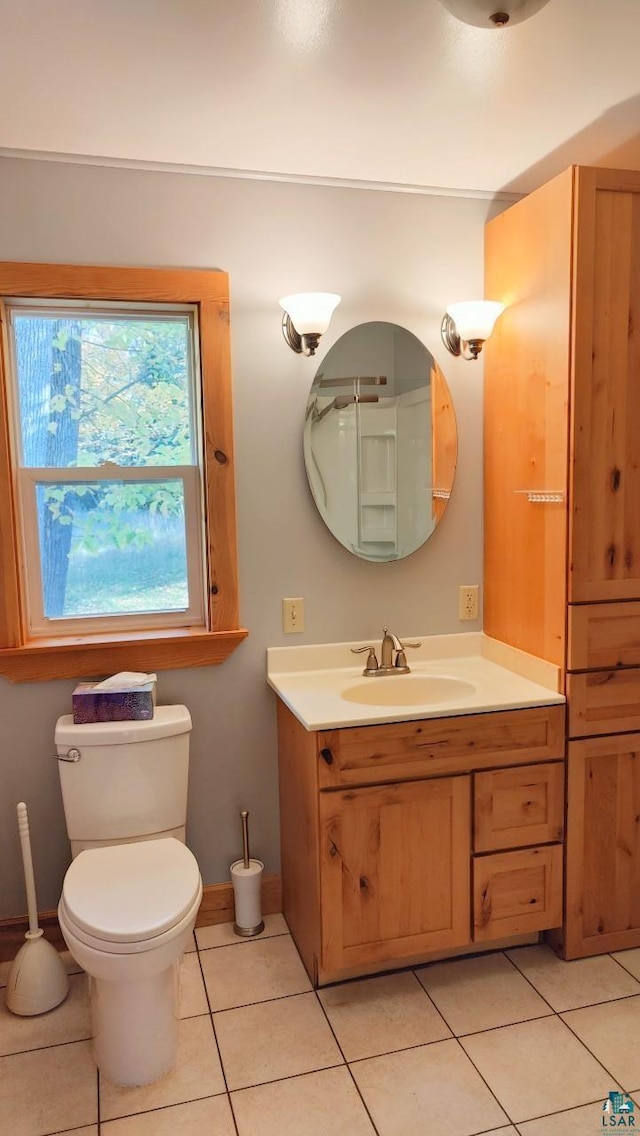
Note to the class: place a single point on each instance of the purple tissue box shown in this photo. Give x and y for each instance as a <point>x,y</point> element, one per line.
<point>133,705</point>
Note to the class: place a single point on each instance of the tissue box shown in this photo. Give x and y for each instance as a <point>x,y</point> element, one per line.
<point>133,705</point>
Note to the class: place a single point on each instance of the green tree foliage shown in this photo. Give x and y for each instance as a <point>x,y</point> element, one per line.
<point>97,392</point>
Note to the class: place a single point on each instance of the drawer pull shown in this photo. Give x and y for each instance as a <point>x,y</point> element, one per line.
<point>327,756</point>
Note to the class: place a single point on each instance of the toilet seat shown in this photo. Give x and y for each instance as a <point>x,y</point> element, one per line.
<point>131,897</point>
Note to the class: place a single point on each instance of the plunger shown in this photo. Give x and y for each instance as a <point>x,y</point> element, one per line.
<point>37,977</point>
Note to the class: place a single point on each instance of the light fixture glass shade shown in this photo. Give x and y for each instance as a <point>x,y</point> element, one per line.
<point>474,319</point>
<point>493,13</point>
<point>310,312</point>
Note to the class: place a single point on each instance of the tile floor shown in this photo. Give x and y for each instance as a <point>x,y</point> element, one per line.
<point>505,1043</point>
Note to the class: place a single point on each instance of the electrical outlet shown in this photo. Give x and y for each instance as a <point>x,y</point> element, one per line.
<point>292,616</point>
<point>468,602</point>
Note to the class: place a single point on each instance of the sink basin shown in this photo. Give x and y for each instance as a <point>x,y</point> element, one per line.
<point>407,690</point>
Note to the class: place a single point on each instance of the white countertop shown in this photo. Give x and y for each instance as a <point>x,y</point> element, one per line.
<point>310,680</point>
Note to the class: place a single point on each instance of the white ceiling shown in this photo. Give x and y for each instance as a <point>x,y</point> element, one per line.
<point>387,91</point>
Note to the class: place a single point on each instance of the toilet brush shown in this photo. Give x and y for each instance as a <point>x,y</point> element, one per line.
<point>246,877</point>
<point>37,977</point>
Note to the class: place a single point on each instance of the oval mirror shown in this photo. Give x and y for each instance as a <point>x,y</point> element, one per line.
<point>380,441</point>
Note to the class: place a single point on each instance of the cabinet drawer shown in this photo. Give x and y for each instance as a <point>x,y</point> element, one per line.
<point>604,635</point>
<point>516,892</point>
<point>604,702</point>
<point>514,807</point>
<point>364,755</point>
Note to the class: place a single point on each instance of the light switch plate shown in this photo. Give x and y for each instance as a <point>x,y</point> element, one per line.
<point>292,616</point>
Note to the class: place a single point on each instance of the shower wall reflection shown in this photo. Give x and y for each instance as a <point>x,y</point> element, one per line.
<point>380,442</point>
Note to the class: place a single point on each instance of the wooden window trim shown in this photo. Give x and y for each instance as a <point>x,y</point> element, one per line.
<point>24,659</point>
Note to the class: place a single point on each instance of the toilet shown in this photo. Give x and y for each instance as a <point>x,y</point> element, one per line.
<point>132,892</point>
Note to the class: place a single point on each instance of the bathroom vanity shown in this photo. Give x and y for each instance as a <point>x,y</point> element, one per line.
<point>415,831</point>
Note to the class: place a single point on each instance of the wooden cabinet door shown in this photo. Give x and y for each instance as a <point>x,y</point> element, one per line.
<point>526,384</point>
<point>394,871</point>
<point>603,846</point>
<point>605,472</point>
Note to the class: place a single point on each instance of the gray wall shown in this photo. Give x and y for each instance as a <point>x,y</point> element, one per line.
<point>392,256</point>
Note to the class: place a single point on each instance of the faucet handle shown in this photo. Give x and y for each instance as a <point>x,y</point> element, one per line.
<point>401,658</point>
<point>371,665</point>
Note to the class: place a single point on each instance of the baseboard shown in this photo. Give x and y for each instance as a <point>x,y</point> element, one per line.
<point>216,907</point>
<point>217,901</point>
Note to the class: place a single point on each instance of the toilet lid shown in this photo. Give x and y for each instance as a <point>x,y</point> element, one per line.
<point>131,892</point>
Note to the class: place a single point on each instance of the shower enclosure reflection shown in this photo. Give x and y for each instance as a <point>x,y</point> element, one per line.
<point>380,442</point>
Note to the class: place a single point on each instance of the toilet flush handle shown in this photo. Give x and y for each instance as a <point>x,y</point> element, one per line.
<point>70,755</point>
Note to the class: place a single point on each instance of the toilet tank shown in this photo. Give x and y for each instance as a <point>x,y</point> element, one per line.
<point>130,781</point>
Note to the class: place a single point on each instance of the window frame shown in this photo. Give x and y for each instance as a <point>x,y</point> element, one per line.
<point>27,659</point>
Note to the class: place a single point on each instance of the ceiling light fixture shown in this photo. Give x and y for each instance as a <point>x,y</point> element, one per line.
<point>493,13</point>
<point>466,325</point>
<point>306,317</point>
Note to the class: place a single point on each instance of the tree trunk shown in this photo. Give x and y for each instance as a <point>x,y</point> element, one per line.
<point>50,436</point>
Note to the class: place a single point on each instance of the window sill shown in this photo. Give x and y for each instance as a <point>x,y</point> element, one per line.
<point>87,656</point>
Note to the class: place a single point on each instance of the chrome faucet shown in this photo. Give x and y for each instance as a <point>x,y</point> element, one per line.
<point>387,665</point>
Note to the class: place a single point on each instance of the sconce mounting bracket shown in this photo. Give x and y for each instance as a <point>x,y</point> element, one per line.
<point>469,349</point>
<point>301,344</point>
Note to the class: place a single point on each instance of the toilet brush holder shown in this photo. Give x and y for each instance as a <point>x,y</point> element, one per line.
<point>247,897</point>
<point>246,877</point>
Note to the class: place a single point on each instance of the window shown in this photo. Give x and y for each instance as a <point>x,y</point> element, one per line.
<point>115,471</point>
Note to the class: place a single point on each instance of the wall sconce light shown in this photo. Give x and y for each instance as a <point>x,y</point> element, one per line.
<point>306,317</point>
<point>466,325</point>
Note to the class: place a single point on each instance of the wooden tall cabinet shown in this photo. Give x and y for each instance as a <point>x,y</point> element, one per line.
<point>562,525</point>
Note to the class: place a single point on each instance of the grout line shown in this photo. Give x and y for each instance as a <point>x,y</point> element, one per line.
<point>557,1014</point>
<point>347,1064</point>
<point>506,1025</point>
<point>215,1040</point>
<point>483,1078</point>
<point>40,1048</point>
<point>244,942</point>
<point>430,999</point>
<point>262,1001</point>
<point>148,1111</point>
<point>98,1098</point>
<point>561,1112</point>
<point>405,1049</point>
<point>542,1017</point>
<point>487,1029</point>
<point>500,1128</point>
<point>342,1054</point>
<point>594,1005</point>
<point>626,968</point>
<point>527,979</point>
<point>289,1077</point>
<point>589,1051</point>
